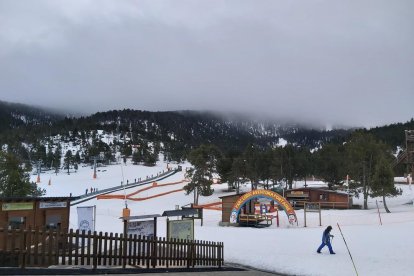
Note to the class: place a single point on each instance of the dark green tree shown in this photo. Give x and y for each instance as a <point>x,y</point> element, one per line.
<point>363,152</point>
<point>14,178</point>
<point>204,161</point>
<point>68,160</point>
<point>383,182</point>
<point>330,160</point>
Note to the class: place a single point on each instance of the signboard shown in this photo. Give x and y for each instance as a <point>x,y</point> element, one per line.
<point>45,205</point>
<point>312,206</point>
<point>17,206</point>
<point>143,228</point>
<point>290,212</point>
<point>86,218</point>
<point>181,229</point>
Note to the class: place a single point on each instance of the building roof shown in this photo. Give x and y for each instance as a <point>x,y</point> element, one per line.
<point>140,217</point>
<point>183,212</point>
<point>28,198</point>
<point>231,195</point>
<point>323,189</point>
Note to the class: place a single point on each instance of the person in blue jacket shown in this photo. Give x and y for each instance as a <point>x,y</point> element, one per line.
<point>326,240</point>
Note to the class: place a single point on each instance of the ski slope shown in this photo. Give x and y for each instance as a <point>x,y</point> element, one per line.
<point>376,249</point>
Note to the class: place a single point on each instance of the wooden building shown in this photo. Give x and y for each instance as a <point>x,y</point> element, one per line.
<point>33,212</point>
<point>296,197</point>
<point>327,198</point>
<point>227,205</point>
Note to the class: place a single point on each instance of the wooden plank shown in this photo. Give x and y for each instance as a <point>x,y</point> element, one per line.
<point>100,248</point>
<point>140,246</point>
<point>64,246</point>
<point>29,246</point>
<point>153,252</point>
<point>89,248</point>
<point>43,244</point>
<point>148,251</point>
<point>22,249</point>
<point>36,246</point>
<point>188,255</point>
<point>13,243</point>
<point>95,250</point>
<point>77,247</point>
<point>175,253</point>
<point>70,246</point>
<point>121,249</point>
<point>222,254</point>
<point>50,247</point>
<point>57,246</point>
<point>135,250</point>
<point>169,252</point>
<point>115,249</point>
<point>105,248</point>
<point>110,249</point>
<point>130,248</point>
<point>83,247</point>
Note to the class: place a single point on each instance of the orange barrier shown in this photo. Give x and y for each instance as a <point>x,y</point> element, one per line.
<point>154,185</point>
<point>210,206</point>
<point>157,195</point>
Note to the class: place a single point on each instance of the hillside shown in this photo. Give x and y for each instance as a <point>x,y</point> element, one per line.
<point>31,132</point>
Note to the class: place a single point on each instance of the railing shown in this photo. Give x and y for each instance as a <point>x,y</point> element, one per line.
<point>402,156</point>
<point>86,197</point>
<point>43,248</point>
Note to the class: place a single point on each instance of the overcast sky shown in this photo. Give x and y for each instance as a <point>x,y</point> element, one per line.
<point>328,61</point>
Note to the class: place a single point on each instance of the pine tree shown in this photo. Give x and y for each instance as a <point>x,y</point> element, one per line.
<point>383,182</point>
<point>68,160</point>
<point>14,179</point>
<point>363,153</point>
<point>204,159</point>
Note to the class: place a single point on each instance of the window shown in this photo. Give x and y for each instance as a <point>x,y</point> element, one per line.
<point>16,222</point>
<point>323,197</point>
<point>52,221</point>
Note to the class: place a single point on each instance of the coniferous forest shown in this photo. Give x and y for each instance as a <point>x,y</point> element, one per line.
<point>241,150</point>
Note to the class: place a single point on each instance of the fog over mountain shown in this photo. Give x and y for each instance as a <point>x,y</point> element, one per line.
<point>325,62</point>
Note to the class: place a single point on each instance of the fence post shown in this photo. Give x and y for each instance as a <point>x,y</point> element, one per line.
<point>124,247</point>
<point>22,249</point>
<point>95,250</point>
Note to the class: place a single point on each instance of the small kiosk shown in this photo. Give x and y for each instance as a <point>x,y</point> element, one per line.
<point>33,212</point>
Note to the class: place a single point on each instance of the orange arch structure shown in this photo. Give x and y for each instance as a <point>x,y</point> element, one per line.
<point>290,212</point>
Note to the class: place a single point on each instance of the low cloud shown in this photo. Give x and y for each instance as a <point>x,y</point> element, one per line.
<point>326,61</point>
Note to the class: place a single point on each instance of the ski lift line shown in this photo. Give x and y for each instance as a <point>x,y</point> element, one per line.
<point>84,198</point>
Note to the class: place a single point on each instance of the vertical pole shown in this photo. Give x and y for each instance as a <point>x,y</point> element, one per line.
<point>277,217</point>
<point>155,227</point>
<point>124,248</point>
<point>347,249</point>
<point>94,217</point>
<point>94,168</point>
<point>168,229</point>
<point>304,212</point>
<point>320,216</point>
<point>379,215</point>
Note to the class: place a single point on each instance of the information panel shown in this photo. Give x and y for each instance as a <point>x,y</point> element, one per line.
<point>143,228</point>
<point>181,229</point>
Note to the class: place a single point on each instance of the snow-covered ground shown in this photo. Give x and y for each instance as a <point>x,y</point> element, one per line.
<point>376,249</point>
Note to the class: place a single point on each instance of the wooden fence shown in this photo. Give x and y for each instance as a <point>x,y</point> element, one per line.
<point>43,248</point>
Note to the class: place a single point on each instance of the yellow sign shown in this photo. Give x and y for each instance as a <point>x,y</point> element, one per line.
<point>17,206</point>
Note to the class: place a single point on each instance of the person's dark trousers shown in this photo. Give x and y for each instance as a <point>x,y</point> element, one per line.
<point>323,245</point>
